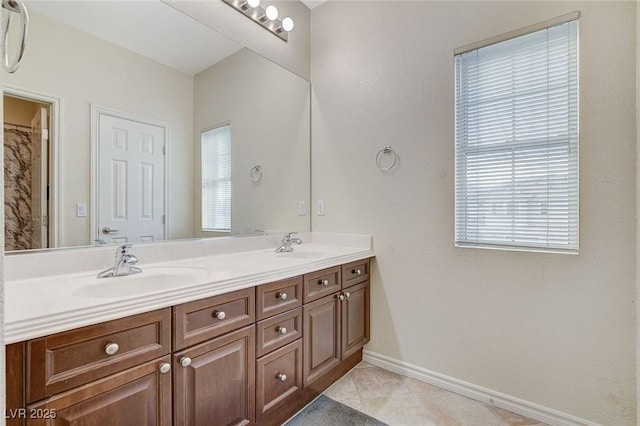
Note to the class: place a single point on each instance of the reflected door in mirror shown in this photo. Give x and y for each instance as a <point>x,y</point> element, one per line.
<point>131,176</point>
<point>26,173</point>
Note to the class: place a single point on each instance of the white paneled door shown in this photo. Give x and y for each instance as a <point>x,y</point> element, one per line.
<point>131,180</point>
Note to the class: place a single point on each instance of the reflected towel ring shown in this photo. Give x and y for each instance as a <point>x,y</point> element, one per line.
<point>256,174</point>
<point>386,150</point>
<point>14,6</point>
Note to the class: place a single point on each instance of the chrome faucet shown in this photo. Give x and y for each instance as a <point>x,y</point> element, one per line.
<point>287,241</point>
<point>123,264</point>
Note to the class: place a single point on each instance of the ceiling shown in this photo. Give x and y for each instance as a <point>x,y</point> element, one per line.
<point>313,3</point>
<point>149,28</point>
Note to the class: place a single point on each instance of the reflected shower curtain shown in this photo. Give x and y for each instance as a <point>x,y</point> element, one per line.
<point>18,227</point>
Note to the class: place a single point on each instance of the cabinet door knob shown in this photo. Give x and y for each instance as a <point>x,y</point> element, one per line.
<point>357,272</point>
<point>220,315</point>
<point>282,377</point>
<point>282,330</point>
<point>347,294</point>
<point>323,282</point>
<point>165,367</point>
<point>185,361</point>
<point>341,297</point>
<point>111,348</point>
<point>282,296</point>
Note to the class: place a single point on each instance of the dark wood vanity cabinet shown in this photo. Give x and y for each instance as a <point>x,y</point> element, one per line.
<point>354,319</point>
<point>115,372</point>
<point>322,337</point>
<point>252,356</point>
<point>214,382</point>
<point>337,325</point>
<point>279,347</point>
<point>137,396</point>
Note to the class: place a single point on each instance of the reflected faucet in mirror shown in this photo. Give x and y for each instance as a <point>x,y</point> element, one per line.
<point>287,241</point>
<point>123,264</point>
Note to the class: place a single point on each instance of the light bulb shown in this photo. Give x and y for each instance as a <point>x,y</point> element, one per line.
<point>272,12</point>
<point>254,3</point>
<point>287,24</point>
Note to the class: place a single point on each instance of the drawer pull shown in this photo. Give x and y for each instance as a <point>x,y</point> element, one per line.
<point>111,348</point>
<point>282,377</point>
<point>165,367</point>
<point>323,282</point>
<point>185,361</point>
<point>281,296</point>
<point>282,330</point>
<point>341,297</point>
<point>347,294</point>
<point>356,271</point>
<point>220,315</point>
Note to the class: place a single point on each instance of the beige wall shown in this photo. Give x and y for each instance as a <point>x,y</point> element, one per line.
<point>269,111</point>
<point>292,55</point>
<point>80,70</point>
<point>637,209</point>
<point>556,330</point>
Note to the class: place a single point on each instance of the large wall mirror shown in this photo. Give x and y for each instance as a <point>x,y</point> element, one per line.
<point>130,121</point>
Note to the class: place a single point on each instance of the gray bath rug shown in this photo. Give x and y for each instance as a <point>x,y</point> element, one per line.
<point>324,411</point>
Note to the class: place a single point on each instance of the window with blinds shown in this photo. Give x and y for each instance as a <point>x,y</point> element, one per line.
<point>216,179</point>
<point>516,132</point>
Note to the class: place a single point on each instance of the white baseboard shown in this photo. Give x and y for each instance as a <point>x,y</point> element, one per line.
<point>488,396</point>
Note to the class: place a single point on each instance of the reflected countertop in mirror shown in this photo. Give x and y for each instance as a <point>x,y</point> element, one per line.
<point>93,73</point>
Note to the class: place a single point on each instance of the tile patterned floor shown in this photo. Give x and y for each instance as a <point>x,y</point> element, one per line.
<point>400,401</point>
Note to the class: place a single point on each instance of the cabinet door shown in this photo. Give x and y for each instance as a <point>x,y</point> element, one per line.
<point>139,396</point>
<point>214,382</point>
<point>321,326</point>
<point>355,318</point>
<point>15,377</point>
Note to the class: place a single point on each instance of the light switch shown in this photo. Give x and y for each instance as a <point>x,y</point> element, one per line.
<point>302,208</point>
<point>81,209</point>
<point>320,207</point>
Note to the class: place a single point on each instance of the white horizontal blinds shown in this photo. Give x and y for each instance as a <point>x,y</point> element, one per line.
<point>216,179</point>
<point>517,142</point>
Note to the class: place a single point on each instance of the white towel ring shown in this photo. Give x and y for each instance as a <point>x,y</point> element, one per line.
<point>381,153</point>
<point>256,174</point>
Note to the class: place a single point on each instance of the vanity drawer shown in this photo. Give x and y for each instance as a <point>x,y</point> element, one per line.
<point>278,379</point>
<point>195,322</point>
<point>321,283</point>
<point>355,272</point>
<point>271,332</point>
<point>278,297</point>
<point>65,360</point>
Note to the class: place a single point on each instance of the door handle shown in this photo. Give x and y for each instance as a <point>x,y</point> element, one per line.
<point>107,231</point>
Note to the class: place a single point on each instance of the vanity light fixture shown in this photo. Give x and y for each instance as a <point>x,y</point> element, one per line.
<point>266,17</point>
<point>272,12</point>
<point>249,3</point>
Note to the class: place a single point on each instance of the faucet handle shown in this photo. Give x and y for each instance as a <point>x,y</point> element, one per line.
<point>288,235</point>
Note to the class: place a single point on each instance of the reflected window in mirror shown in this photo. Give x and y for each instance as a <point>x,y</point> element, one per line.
<point>216,179</point>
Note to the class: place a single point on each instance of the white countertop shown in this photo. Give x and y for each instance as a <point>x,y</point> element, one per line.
<point>38,304</point>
